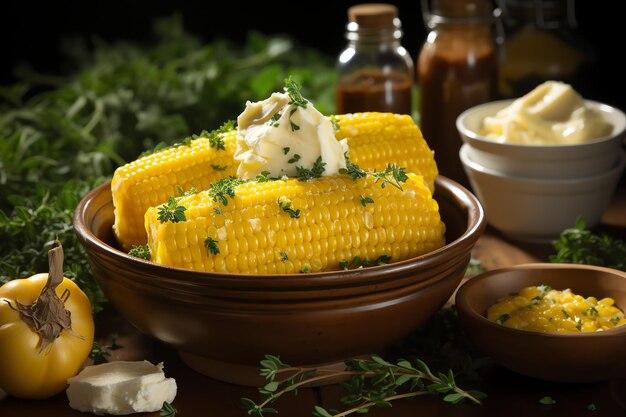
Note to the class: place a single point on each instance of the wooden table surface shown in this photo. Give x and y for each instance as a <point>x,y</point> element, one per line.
<point>509,394</point>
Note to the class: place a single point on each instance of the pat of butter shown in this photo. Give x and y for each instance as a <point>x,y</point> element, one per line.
<point>278,136</point>
<point>552,113</point>
<point>120,388</point>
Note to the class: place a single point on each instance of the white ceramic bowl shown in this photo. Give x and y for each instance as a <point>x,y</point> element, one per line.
<point>542,161</point>
<point>537,210</point>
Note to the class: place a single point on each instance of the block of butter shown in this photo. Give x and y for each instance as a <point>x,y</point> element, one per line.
<point>120,388</point>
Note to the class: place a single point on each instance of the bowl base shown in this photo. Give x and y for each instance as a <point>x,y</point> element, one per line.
<point>245,375</point>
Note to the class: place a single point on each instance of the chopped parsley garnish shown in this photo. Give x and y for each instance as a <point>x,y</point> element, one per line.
<point>294,126</point>
<point>292,88</point>
<point>191,191</point>
<point>264,176</point>
<point>215,138</point>
<point>286,206</point>
<point>357,262</point>
<point>305,269</point>
<point>366,200</point>
<point>565,313</point>
<point>224,187</point>
<point>503,318</point>
<point>579,324</point>
<point>335,121</point>
<point>171,212</point>
<point>274,121</point>
<point>614,320</point>
<point>305,174</point>
<point>286,150</point>
<point>211,245</point>
<point>217,210</point>
<point>284,257</point>
<point>590,311</point>
<point>219,167</point>
<point>295,158</point>
<point>140,251</point>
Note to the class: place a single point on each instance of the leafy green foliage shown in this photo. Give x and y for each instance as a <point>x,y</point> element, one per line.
<point>62,135</point>
<point>211,245</point>
<point>373,382</point>
<point>101,353</point>
<point>392,174</point>
<point>547,400</point>
<point>580,246</point>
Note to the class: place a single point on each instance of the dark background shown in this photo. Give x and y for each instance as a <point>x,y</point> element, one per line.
<point>31,31</point>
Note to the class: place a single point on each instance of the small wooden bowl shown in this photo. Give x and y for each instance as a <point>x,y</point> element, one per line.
<point>223,324</point>
<point>583,357</point>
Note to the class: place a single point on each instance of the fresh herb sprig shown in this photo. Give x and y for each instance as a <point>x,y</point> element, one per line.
<point>140,251</point>
<point>580,246</point>
<point>373,382</point>
<point>293,90</point>
<point>101,353</point>
<point>316,171</point>
<point>167,410</point>
<point>171,212</point>
<point>211,246</point>
<point>392,174</point>
<point>357,262</point>
<point>223,188</point>
<point>286,207</point>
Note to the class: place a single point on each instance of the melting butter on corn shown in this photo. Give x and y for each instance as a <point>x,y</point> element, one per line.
<point>543,309</point>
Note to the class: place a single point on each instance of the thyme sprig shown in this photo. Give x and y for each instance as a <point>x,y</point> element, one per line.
<point>140,251</point>
<point>224,187</point>
<point>316,171</point>
<point>211,246</point>
<point>171,212</point>
<point>285,205</point>
<point>392,174</point>
<point>372,382</point>
<point>292,88</point>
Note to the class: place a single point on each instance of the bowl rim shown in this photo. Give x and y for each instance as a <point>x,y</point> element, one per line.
<point>464,305</point>
<point>517,147</point>
<point>457,193</point>
<point>532,181</point>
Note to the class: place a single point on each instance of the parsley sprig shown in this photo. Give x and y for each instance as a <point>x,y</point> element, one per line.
<point>373,382</point>
<point>292,88</point>
<point>171,212</point>
<point>211,245</point>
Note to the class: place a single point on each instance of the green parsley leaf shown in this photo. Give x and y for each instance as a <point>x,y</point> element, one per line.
<point>219,167</point>
<point>168,410</point>
<point>140,251</point>
<point>294,126</point>
<point>286,206</point>
<point>335,121</point>
<point>217,210</point>
<point>365,200</point>
<point>264,177</point>
<point>295,158</point>
<point>286,150</point>
<point>211,245</point>
<point>284,257</point>
<point>191,191</point>
<point>305,269</point>
<point>171,212</point>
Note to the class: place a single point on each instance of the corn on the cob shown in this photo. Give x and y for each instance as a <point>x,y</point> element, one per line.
<point>152,179</point>
<point>374,140</point>
<point>291,226</point>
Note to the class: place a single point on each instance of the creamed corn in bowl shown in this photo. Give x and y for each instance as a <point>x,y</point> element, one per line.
<point>543,309</point>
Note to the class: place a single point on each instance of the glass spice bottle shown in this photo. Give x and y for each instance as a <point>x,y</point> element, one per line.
<point>457,68</point>
<point>375,73</point>
<point>542,44</point>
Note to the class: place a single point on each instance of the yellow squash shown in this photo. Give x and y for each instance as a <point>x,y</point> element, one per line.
<point>46,332</point>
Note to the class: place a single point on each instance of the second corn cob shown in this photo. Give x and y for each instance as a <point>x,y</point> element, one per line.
<point>374,139</point>
<point>294,226</point>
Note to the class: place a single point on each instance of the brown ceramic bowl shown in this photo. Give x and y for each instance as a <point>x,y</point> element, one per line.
<point>583,357</point>
<point>223,324</point>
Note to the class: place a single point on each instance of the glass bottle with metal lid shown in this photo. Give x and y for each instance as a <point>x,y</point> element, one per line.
<point>542,44</point>
<point>457,68</point>
<point>375,73</point>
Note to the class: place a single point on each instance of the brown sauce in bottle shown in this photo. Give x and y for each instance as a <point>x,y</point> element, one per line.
<point>371,90</point>
<point>452,78</point>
